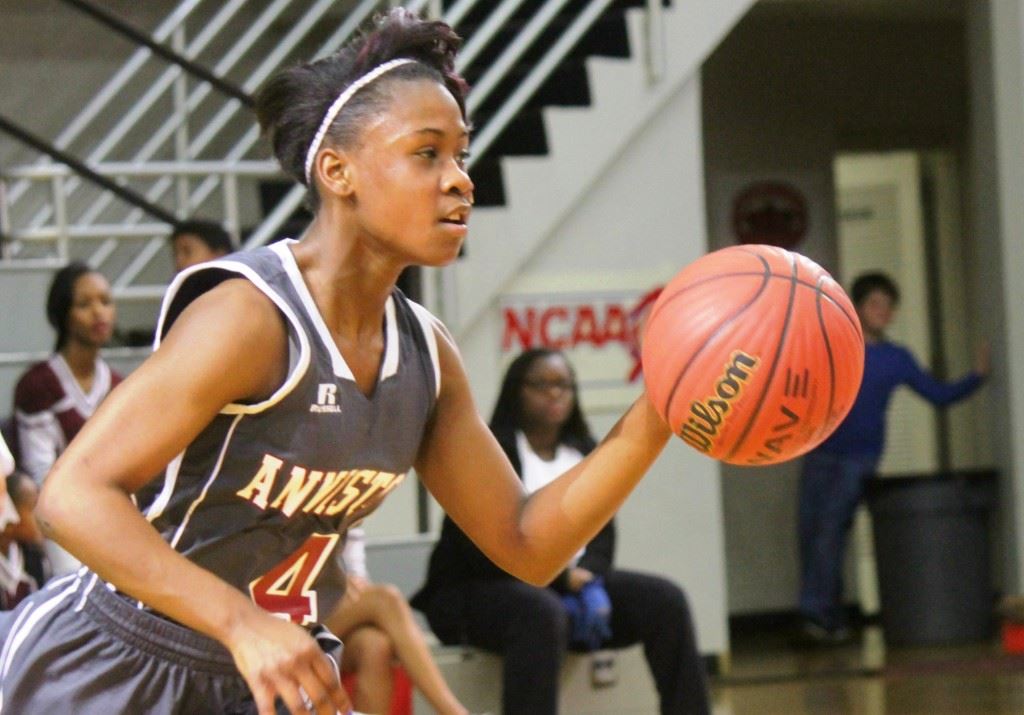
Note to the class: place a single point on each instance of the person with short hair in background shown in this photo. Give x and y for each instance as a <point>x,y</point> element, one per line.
<point>197,241</point>
<point>834,474</point>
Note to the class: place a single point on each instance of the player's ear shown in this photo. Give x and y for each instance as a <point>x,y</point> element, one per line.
<point>335,172</point>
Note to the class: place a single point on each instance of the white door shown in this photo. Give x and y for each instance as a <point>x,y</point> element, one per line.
<point>881,228</point>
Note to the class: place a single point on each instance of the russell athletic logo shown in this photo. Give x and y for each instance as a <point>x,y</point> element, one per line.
<point>707,415</point>
<point>326,398</point>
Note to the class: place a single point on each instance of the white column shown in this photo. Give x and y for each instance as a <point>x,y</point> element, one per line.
<point>1006,24</point>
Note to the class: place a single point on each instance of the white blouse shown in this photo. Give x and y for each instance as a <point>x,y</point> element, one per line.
<point>538,472</point>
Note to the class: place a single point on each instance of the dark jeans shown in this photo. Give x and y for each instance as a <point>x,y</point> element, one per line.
<point>530,628</point>
<point>831,486</point>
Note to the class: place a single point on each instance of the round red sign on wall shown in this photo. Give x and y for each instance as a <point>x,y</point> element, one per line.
<point>770,212</point>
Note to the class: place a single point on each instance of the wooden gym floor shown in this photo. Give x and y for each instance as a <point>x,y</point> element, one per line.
<point>767,676</point>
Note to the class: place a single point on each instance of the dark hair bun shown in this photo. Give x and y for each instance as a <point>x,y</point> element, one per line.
<point>291,106</point>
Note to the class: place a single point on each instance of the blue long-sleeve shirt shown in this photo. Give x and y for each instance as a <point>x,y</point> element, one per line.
<point>886,367</point>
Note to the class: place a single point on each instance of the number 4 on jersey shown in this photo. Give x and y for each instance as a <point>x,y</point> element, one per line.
<point>286,590</point>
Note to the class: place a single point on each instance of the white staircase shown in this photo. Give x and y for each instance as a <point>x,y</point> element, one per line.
<point>584,144</point>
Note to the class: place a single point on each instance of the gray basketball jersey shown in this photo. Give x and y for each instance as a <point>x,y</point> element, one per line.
<point>263,495</point>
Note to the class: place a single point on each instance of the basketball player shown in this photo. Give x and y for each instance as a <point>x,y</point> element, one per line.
<point>292,388</point>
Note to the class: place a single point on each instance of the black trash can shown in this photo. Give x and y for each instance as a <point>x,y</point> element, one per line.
<point>932,552</point>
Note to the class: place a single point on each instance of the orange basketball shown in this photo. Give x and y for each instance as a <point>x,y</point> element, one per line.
<point>753,354</point>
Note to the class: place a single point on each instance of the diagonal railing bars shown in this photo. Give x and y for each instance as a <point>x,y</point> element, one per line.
<point>136,109</point>
<point>122,192</point>
<point>66,160</point>
<point>156,192</point>
<point>297,31</point>
<point>118,25</point>
<point>194,98</point>
<point>105,95</point>
<point>498,70</point>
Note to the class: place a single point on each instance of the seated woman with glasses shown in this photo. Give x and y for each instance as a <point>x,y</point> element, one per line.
<point>469,600</point>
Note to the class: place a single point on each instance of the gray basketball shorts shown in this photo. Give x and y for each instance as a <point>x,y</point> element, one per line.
<point>78,647</point>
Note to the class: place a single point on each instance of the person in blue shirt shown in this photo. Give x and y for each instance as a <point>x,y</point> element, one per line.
<point>834,474</point>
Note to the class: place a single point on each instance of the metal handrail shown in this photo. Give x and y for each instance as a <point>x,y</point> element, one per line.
<point>146,102</point>
<point>538,75</point>
<point>346,29</point>
<point>508,58</point>
<point>81,169</point>
<point>458,11</point>
<point>499,122</point>
<point>95,230</point>
<point>152,168</point>
<point>655,50</point>
<point>153,233</point>
<point>118,25</point>
<point>114,85</point>
<point>269,64</point>
<point>487,31</point>
<point>233,55</point>
<point>266,68</point>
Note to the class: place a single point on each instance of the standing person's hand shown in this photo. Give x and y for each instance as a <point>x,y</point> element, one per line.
<point>983,359</point>
<point>279,659</point>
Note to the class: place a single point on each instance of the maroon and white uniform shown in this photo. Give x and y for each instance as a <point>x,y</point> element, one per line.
<point>50,407</point>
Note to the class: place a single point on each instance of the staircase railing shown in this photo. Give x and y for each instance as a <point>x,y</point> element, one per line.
<point>171,77</point>
<point>195,182</point>
<point>140,38</point>
<point>115,84</point>
<point>188,199</point>
<point>155,234</point>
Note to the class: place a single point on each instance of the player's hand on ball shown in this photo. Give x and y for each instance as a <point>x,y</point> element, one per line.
<point>279,659</point>
<point>752,354</point>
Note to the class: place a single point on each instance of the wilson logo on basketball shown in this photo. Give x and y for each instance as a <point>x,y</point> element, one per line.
<point>707,415</point>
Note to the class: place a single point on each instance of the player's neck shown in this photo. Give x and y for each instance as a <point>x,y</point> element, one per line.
<point>350,283</point>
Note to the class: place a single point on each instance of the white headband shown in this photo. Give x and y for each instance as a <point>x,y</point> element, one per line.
<point>341,101</point>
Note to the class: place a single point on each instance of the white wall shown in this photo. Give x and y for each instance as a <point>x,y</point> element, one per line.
<point>783,94</point>
<point>23,321</point>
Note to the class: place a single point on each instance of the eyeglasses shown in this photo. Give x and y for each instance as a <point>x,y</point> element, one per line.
<point>545,385</point>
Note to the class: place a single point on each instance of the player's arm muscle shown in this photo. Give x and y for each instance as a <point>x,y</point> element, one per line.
<point>226,346</point>
<point>532,537</point>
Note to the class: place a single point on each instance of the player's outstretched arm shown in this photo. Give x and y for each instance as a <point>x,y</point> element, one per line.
<point>532,537</point>
<point>144,423</point>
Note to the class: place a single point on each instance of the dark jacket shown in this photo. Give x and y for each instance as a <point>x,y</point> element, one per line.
<point>456,559</point>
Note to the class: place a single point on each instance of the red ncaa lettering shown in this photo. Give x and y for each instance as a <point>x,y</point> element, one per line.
<point>565,326</point>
